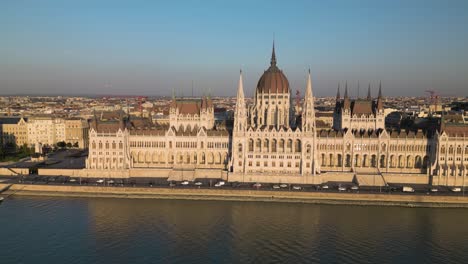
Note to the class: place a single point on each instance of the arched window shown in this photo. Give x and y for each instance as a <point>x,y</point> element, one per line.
<point>289,145</point>
<point>120,145</point>
<point>251,145</point>
<point>266,145</point>
<point>297,148</point>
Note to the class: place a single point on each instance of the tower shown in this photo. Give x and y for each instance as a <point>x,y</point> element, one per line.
<point>240,113</point>
<point>309,133</point>
<point>240,126</point>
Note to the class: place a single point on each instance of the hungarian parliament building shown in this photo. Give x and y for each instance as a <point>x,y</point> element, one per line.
<point>273,141</point>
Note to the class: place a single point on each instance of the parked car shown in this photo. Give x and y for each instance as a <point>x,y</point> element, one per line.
<point>408,189</point>
<point>456,189</point>
<point>218,184</point>
<point>283,185</point>
<point>222,183</point>
<point>184,183</point>
<point>433,189</point>
<point>100,181</point>
<point>325,186</point>
<point>295,187</point>
<point>276,186</point>
<point>341,188</point>
<point>354,187</point>
<point>257,185</point>
<point>198,183</point>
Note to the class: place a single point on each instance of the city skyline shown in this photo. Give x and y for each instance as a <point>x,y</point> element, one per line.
<point>57,48</point>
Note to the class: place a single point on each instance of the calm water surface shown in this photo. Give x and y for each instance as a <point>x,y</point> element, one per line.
<point>82,230</point>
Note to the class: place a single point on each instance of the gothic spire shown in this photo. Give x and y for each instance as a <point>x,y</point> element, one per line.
<point>309,86</point>
<point>338,92</point>
<point>273,55</point>
<point>346,90</point>
<point>240,88</point>
<point>380,89</point>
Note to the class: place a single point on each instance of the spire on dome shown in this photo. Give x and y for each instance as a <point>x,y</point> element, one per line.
<point>273,55</point>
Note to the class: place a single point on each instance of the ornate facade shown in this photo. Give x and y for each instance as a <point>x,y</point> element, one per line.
<point>269,142</point>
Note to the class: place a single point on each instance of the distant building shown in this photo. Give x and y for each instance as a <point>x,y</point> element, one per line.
<point>13,131</point>
<point>76,132</point>
<point>367,114</point>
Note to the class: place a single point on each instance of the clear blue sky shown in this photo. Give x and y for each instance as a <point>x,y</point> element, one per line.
<point>152,47</point>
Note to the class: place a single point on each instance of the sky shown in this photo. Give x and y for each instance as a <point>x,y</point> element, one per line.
<point>155,47</point>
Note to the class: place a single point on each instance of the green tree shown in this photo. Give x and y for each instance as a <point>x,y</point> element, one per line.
<point>69,145</point>
<point>76,145</point>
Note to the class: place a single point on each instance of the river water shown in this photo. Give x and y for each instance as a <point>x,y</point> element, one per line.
<point>104,230</point>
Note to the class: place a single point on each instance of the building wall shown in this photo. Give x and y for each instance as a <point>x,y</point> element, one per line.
<point>76,131</point>
<point>15,133</point>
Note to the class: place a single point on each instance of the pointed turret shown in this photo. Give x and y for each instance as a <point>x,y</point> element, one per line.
<point>309,128</point>
<point>240,114</point>
<point>380,98</point>
<point>346,101</point>
<point>338,96</point>
<point>308,111</point>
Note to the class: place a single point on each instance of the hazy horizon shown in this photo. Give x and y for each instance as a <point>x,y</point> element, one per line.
<point>152,48</point>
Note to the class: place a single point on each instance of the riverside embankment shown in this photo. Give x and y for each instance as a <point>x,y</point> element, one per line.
<point>240,195</point>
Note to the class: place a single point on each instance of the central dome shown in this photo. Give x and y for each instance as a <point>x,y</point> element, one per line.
<point>273,80</point>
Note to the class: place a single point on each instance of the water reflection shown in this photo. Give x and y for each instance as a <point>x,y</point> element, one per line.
<point>148,231</point>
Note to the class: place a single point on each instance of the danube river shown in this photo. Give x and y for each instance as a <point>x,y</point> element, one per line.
<point>100,230</point>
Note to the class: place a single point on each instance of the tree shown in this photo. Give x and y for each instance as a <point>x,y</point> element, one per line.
<point>76,145</point>
<point>61,144</point>
<point>69,145</point>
